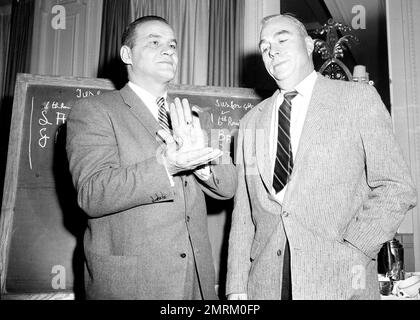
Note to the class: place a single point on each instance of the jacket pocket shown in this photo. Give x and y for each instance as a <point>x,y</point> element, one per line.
<point>364,257</point>
<point>111,277</point>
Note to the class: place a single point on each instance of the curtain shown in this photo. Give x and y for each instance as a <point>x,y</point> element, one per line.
<point>18,61</point>
<point>19,52</point>
<point>5,21</point>
<point>209,34</point>
<point>115,18</point>
<point>226,44</point>
<point>190,20</point>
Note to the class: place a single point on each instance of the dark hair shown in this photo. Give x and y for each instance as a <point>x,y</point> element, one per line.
<point>130,32</point>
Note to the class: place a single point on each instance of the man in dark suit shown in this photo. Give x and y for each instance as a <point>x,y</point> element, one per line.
<point>147,234</point>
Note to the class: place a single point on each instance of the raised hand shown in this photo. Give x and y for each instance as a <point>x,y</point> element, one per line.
<point>179,160</point>
<point>186,126</point>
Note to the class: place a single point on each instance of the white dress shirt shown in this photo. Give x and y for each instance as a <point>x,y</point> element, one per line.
<point>300,105</point>
<point>148,99</point>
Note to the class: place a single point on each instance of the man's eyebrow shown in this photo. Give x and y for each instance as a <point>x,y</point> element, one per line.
<point>281,32</point>
<point>152,35</point>
<point>278,33</point>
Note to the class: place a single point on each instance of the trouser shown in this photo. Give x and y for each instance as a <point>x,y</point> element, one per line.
<point>286,288</point>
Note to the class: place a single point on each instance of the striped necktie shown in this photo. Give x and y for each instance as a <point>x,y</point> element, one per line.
<point>163,116</point>
<point>284,158</point>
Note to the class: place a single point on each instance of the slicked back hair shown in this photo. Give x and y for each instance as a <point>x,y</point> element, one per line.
<point>129,35</point>
<point>289,16</point>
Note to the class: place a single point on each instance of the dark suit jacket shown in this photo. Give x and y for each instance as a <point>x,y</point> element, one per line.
<point>141,231</point>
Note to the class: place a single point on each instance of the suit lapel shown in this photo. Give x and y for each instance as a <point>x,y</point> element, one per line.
<point>140,111</point>
<point>262,140</point>
<point>312,124</point>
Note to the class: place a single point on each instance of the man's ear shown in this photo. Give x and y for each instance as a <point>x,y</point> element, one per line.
<point>309,45</point>
<point>125,54</point>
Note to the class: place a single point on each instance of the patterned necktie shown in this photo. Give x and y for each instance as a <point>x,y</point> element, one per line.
<point>163,116</point>
<point>284,158</point>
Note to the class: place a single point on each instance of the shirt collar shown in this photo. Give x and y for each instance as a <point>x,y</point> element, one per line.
<point>145,95</point>
<point>305,87</point>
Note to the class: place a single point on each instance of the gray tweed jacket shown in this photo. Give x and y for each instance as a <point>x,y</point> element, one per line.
<point>349,191</point>
<point>143,235</point>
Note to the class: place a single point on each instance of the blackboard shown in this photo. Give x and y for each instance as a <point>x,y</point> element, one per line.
<point>41,225</point>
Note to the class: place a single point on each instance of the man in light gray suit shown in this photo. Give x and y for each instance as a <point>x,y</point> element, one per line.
<point>147,234</point>
<point>322,183</point>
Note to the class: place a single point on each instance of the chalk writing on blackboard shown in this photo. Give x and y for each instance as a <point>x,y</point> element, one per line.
<point>226,118</point>
<point>232,105</point>
<point>225,114</point>
<point>83,93</point>
<point>43,122</point>
<point>49,118</point>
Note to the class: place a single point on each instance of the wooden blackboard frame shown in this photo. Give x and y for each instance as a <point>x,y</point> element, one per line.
<point>23,82</point>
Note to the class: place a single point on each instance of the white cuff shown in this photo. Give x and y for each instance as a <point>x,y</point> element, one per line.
<point>171,180</point>
<point>204,173</point>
